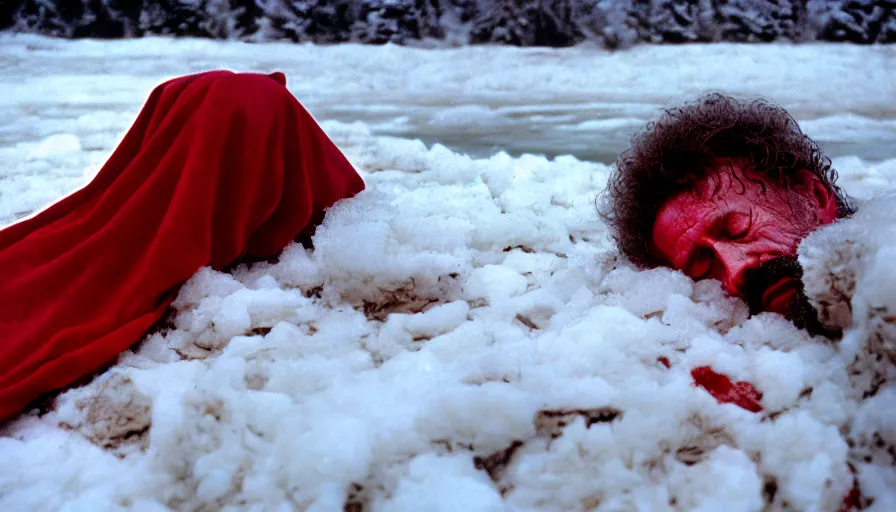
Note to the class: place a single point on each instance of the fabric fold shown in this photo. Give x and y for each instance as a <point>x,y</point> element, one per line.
<point>218,167</point>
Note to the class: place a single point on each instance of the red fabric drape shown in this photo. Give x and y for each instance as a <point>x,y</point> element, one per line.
<point>217,167</point>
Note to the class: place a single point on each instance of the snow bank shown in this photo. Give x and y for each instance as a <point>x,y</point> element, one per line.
<point>462,337</point>
<point>850,278</point>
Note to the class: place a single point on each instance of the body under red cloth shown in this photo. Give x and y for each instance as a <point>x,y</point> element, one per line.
<point>218,167</point>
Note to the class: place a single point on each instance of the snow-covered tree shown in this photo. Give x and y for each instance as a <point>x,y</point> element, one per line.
<point>610,23</point>
<point>526,23</point>
<point>221,19</point>
<point>675,21</point>
<point>368,21</point>
<point>228,19</point>
<point>319,21</point>
<point>760,20</point>
<point>129,18</point>
<point>856,21</point>
<point>395,21</point>
<point>78,18</point>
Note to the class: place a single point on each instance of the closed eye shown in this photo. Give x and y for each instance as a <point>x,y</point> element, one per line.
<point>737,225</point>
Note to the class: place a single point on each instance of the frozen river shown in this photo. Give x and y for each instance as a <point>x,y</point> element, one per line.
<point>479,100</point>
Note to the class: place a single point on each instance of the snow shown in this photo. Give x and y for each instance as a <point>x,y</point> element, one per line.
<point>464,335</point>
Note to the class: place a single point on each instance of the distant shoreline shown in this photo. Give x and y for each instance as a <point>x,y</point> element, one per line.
<point>559,23</point>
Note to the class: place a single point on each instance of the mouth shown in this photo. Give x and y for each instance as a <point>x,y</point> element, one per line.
<point>778,297</point>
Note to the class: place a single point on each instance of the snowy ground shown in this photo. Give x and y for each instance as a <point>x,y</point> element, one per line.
<point>464,336</point>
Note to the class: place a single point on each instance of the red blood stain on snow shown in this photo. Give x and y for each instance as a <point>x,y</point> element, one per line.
<point>741,393</point>
<point>851,500</point>
<point>744,395</point>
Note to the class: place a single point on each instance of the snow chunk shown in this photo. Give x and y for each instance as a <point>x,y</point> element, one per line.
<point>444,484</point>
<point>439,320</point>
<point>56,145</point>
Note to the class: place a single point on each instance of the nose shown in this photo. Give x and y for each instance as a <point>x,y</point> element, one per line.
<point>735,260</point>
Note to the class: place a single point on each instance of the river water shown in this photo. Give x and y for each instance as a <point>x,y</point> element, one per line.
<point>65,104</point>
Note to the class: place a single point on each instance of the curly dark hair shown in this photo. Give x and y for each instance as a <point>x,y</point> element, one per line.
<point>682,145</point>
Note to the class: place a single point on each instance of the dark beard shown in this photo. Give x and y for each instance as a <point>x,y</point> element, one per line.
<point>757,280</point>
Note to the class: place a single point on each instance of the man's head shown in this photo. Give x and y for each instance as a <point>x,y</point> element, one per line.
<point>725,189</point>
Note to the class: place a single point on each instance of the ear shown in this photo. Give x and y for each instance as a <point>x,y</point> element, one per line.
<point>810,186</point>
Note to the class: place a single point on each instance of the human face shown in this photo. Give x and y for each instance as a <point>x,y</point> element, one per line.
<point>734,223</point>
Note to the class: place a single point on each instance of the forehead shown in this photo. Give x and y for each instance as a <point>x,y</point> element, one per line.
<point>710,192</point>
<point>725,179</point>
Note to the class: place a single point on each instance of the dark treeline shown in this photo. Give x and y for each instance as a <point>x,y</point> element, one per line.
<point>609,23</point>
